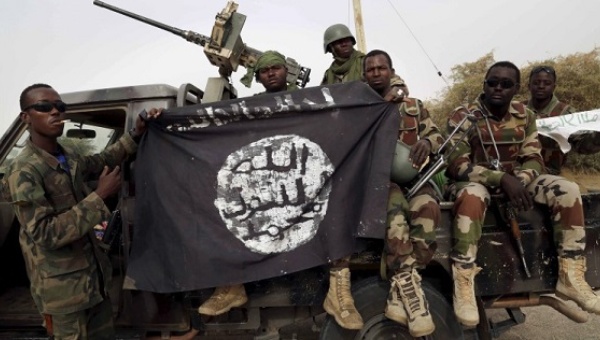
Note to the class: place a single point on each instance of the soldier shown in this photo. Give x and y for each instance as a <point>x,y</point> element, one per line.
<point>69,273</point>
<point>543,102</point>
<point>348,63</point>
<point>410,239</point>
<point>348,66</point>
<point>504,155</point>
<point>270,70</point>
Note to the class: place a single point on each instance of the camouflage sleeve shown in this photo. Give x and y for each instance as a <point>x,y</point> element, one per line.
<point>40,221</point>
<point>112,156</point>
<point>529,157</point>
<point>399,82</point>
<point>460,167</point>
<point>428,130</point>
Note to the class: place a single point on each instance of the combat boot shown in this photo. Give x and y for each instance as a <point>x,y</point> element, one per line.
<point>571,284</point>
<point>465,306</point>
<point>394,309</point>
<point>415,304</point>
<point>339,302</point>
<point>223,299</point>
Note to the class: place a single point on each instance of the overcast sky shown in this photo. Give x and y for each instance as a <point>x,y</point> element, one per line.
<point>75,45</point>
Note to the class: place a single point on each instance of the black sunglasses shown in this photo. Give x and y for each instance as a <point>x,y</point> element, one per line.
<point>547,69</point>
<point>47,106</point>
<point>505,84</point>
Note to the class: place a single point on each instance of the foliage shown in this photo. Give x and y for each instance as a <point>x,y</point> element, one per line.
<point>578,83</point>
<point>79,146</point>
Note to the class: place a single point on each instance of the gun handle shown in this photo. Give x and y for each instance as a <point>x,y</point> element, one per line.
<point>514,227</point>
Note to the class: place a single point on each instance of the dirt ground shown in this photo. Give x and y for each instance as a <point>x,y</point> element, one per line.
<point>544,323</point>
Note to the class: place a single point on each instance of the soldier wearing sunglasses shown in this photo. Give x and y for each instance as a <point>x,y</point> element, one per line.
<point>502,155</point>
<point>69,273</point>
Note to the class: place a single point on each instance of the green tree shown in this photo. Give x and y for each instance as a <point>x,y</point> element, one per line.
<point>79,146</point>
<point>578,83</point>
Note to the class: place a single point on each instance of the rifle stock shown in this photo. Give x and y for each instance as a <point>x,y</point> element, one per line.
<point>113,231</point>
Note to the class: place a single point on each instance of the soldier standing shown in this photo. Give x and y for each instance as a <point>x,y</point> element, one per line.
<point>544,103</point>
<point>505,156</point>
<point>347,62</point>
<point>68,271</point>
<point>410,235</point>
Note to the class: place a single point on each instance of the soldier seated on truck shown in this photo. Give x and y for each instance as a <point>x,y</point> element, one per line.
<point>348,63</point>
<point>270,71</point>
<point>503,154</point>
<point>411,222</point>
<point>544,103</point>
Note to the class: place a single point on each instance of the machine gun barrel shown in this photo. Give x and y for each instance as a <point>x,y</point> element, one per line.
<point>191,36</point>
<point>224,48</point>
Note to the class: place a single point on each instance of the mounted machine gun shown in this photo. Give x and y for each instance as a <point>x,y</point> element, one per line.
<point>224,49</point>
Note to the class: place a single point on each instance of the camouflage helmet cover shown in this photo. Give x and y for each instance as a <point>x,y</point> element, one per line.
<point>402,169</point>
<point>336,32</point>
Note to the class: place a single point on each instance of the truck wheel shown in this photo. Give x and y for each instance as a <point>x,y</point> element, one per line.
<point>370,296</point>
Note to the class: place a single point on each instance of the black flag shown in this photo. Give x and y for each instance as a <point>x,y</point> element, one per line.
<point>257,187</point>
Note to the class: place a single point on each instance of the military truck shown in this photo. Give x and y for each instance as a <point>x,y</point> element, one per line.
<point>290,306</point>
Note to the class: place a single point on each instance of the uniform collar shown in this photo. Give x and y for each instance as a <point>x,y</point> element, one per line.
<point>512,109</point>
<point>547,109</point>
<point>45,156</point>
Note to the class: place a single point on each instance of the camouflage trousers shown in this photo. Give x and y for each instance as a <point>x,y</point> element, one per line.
<point>410,235</point>
<point>92,323</point>
<point>561,196</point>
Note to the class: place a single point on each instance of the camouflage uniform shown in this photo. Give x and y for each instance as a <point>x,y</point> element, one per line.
<point>553,157</point>
<point>68,271</point>
<point>411,244</point>
<point>342,71</point>
<point>517,141</point>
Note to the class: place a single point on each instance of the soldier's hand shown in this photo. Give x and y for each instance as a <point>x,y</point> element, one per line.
<point>109,182</point>
<point>140,122</point>
<point>419,152</point>
<point>395,95</point>
<point>516,193</point>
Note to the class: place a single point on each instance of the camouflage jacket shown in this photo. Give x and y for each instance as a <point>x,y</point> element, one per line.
<point>515,135</point>
<point>57,211</point>
<point>553,157</point>
<point>347,77</point>
<point>415,124</point>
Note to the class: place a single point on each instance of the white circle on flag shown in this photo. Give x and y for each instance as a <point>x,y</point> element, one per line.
<point>272,194</point>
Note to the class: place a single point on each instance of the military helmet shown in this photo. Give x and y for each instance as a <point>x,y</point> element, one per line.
<point>402,169</point>
<point>336,32</point>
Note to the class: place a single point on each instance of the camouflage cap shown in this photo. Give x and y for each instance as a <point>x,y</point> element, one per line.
<point>268,58</point>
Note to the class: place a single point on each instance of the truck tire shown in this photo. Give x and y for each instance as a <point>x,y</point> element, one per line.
<point>370,296</point>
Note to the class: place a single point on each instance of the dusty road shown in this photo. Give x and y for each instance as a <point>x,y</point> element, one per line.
<point>544,323</point>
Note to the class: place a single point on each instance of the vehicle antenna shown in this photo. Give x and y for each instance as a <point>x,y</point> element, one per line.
<point>439,73</point>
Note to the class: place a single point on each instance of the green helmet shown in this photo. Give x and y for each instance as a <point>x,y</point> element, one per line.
<point>336,32</point>
<point>402,169</point>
